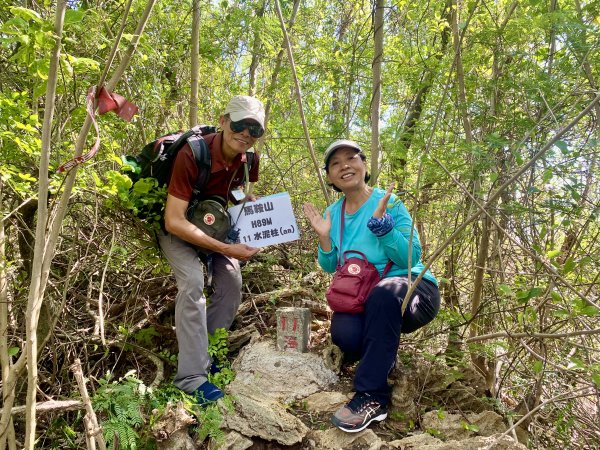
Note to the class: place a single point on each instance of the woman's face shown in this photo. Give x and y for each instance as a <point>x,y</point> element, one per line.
<point>346,170</point>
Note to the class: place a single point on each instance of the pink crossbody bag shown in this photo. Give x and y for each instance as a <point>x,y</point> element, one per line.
<point>353,280</point>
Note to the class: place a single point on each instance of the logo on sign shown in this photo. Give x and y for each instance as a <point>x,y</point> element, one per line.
<point>354,269</point>
<point>209,219</point>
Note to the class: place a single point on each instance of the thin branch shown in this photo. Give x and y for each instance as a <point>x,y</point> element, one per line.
<point>501,189</point>
<point>583,392</point>
<point>506,334</point>
<point>288,46</point>
<point>482,208</point>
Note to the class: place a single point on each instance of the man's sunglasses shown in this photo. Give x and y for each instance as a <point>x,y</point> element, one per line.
<point>254,128</point>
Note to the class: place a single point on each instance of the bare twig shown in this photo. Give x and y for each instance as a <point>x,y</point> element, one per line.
<point>94,432</point>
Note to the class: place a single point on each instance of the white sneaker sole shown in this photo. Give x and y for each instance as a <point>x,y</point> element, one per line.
<point>378,418</point>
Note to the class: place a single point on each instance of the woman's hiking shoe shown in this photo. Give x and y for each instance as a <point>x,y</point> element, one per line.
<point>359,413</point>
<point>207,393</point>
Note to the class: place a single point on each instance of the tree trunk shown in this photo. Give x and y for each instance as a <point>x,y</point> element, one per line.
<point>37,285</point>
<point>195,60</point>
<point>256,45</point>
<point>8,431</point>
<point>376,98</point>
<point>407,132</point>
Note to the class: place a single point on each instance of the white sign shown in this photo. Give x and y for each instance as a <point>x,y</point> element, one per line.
<point>267,221</point>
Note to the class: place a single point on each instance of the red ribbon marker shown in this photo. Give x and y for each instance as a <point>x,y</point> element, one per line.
<point>107,101</point>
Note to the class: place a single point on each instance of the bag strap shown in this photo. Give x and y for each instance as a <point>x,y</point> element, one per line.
<point>203,161</point>
<point>389,264</point>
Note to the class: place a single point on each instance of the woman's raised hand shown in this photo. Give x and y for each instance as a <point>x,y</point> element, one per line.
<point>321,225</point>
<point>382,205</point>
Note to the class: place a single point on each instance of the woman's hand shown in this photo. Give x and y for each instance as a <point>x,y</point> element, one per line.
<point>382,205</point>
<point>321,225</point>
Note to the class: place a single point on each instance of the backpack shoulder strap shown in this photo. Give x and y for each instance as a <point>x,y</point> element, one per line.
<point>201,154</point>
<point>250,159</point>
<point>179,142</point>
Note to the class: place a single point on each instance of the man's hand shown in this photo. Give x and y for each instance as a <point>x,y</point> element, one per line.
<point>382,205</point>
<point>242,251</point>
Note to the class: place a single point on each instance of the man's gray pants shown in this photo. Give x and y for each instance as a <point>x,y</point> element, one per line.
<point>193,319</point>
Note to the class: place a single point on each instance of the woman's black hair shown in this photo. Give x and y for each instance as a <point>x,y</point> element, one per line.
<point>367,174</point>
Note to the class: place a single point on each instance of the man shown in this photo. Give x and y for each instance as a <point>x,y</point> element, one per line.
<point>241,125</point>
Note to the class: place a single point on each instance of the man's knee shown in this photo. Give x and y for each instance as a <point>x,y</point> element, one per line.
<point>192,286</point>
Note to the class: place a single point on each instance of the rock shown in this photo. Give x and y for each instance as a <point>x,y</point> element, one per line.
<point>325,401</point>
<point>263,417</point>
<point>333,357</point>
<point>171,429</point>
<point>233,441</point>
<point>334,439</point>
<point>422,442</point>
<point>266,381</point>
<point>285,376</point>
<point>462,426</point>
<point>420,385</point>
<point>238,338</point>
<point>416,441</point>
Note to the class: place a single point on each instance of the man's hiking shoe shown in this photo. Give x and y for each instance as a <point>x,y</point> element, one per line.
<point>207,393</point>
<point>359,413</point>
<point>214,368</point>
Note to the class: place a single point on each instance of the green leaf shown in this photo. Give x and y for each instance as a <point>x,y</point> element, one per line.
<point>470,427</point>
<point>73,16</point>
<point>27,177</point>
<point>538,366</point>
<point>553,253</point>
<point>582,307</point>
<point>24,39</point>
<point>561,313</point>
<point>547,175</point>
<point>596,379</point>
<point>525,295</point>
<point>576,363</point>
<point>84,64</point>
<point>40,89</point>
<point>505,289</point>
<point>562,145</point>
<point>27,14</point>
<point>13,351</point>
<point>585,261</point>
<point>569,265</point>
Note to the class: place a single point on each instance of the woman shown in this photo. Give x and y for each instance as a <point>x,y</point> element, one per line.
<point>377,224</point>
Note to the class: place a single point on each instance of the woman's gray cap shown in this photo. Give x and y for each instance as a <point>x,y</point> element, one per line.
<point>340,143</point>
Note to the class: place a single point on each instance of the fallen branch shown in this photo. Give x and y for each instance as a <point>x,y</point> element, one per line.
<point>51,406</point>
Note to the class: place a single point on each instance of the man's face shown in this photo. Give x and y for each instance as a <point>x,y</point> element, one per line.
<point>238,141</point>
